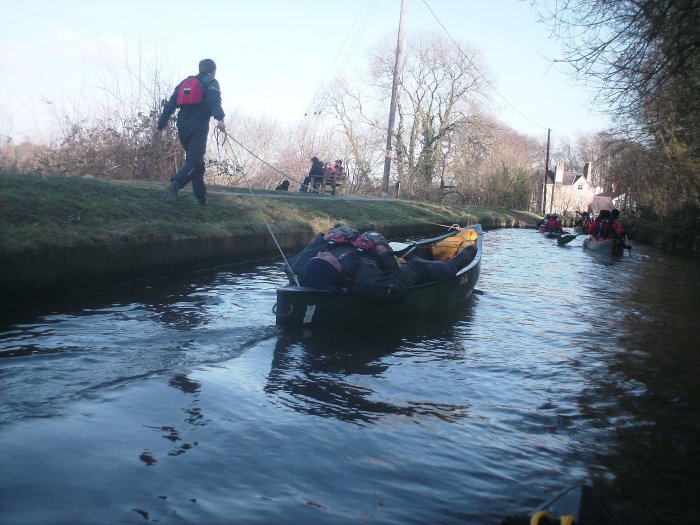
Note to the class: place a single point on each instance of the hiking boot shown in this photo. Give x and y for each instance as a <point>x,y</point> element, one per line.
<point>201,202</point>
<point>171,191</point>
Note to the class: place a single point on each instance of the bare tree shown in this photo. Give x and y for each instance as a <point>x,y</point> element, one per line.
<point>642,56</point>
<point>442,91</point>
<point>362,133</point>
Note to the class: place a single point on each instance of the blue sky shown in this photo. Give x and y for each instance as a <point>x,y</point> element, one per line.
<point>272,55</point>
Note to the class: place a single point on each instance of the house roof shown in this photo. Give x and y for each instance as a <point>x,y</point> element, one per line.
<point>537,176</point>
<point>585,179</point>
<point>610,194</point>
<point>568,179</point>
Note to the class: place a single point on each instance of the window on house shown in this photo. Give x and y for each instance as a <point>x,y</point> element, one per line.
<point>580,186</point>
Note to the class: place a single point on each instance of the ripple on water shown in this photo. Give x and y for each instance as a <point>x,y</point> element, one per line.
<point>185,403</point>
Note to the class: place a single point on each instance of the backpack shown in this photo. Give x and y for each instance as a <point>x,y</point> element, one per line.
<point>342,235</point>
<point>606,230</point>
<point>190,92</point>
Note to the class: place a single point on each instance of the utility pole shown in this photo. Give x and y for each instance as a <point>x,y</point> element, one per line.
<point>546,171</point>
<point>392,107</point>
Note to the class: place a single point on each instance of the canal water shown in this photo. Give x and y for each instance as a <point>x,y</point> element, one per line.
<point>180,401</point>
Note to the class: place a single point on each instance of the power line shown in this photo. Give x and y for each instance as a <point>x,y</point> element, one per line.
<point>352,37</point>
<point>479,72</point>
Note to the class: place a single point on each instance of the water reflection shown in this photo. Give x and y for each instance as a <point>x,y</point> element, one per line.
<point>648,397</point>
<point>193,413</point>
<point>325,374</point>
<point>184,383</point>
<point>193,416</point>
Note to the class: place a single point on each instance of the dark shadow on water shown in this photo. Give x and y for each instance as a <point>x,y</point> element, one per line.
<point>184,383</point>
<point>647,400</point>
<point>317,372</point>
<point>176,301</point>
<point>604,258</point>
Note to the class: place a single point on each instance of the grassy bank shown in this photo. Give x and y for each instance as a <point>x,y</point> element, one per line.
<point>66,211</point>
<point>63,233</point>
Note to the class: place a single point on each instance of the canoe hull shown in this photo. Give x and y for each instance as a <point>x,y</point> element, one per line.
<point>599,246</point>
<point>307,307</point>
<point>610,246</point>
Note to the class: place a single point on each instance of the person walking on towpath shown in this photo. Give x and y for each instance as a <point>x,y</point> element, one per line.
<point>198,98</point>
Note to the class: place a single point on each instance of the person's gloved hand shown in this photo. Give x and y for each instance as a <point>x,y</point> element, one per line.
<point>371,241</point>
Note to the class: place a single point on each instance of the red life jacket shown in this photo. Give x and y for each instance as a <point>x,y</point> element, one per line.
<point>348,237</point>
<point>552,225</point>
<point>606,230</point>
<point>190,92</point>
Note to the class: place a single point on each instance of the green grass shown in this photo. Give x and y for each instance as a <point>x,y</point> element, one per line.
<point>45,210</point>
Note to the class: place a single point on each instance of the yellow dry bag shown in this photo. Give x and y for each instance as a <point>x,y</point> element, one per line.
<point>445,249</point>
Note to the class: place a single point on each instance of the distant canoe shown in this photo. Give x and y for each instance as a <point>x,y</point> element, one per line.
<point>611,246</point>
<point>599,246</point>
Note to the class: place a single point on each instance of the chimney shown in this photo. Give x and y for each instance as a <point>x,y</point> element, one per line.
<point>559,174</point>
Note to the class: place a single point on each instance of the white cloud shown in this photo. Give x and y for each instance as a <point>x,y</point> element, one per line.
<point>73,46</point>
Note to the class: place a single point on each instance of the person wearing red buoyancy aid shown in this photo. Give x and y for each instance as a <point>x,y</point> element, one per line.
<point>594,228</point>
<point>553,224</point>
<point>611,228</point>
<point>584,221</point>
<point>339,238</point>
<point>198,98</point>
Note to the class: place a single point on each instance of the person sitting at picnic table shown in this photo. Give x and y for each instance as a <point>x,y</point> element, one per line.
<point>332,174</point>
<point>316,174</point>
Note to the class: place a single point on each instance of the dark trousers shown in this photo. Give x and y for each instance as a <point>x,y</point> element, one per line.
<point>194,140</point>
<point>417,270</point>
<point>317,181</point>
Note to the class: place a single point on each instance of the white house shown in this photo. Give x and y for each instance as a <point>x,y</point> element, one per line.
<point>567,193</point>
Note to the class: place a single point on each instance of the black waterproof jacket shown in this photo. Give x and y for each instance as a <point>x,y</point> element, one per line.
<point>368,274</point>
<point>347,256</point>
<point>379,278</point>
<point>316,169</point>
<point>197,114</point>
